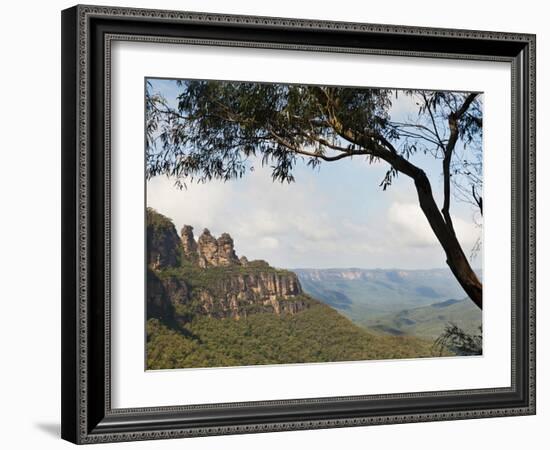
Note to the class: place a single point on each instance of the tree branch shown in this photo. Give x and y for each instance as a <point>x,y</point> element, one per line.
<point>436,132</point>
<point>301,151</point>
<point>453,120</point>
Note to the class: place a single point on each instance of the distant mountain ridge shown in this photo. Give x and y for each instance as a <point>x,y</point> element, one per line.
<point>396,302</point>
<point>373,292</point>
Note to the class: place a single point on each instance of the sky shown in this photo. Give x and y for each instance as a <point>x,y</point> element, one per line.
<point>334,216</point>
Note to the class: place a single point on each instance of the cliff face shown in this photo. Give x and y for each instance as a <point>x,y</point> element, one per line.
<point>239,294</point>
<point>164,295</point>
<point>207,276</point>
<point>189,246</point>
<point>158,302</point>
<point>212,252</point>
<point>163,242</point>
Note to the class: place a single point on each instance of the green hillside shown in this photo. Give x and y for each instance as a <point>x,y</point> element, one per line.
<point>429,321</point>
<point>365,294</point>
<point>207,307</point>
<point>316,334</point>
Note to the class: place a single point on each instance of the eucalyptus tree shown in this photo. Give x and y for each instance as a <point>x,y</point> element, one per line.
<point>216,127</point>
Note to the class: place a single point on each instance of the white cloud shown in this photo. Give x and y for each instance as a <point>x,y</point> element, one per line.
<point>403,107</point>
<point>410,225</point>
<point>269,242</point>
<point>198,205</point>
<point>412,228</point>
<point>308,224</point>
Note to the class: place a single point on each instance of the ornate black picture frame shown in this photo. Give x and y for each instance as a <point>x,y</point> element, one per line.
<point>87,35</point>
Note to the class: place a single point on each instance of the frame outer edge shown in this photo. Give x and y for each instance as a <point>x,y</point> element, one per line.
<point>75,61</point>
<point>296,23</point>
<point>532,144</point>
<point>69,262</point>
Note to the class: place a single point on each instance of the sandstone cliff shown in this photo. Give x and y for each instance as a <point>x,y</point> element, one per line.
<point>189,246</point>
<point>163,242</point>
<point>207,277</point>
<point>238,294</point>
<point>212,252</point>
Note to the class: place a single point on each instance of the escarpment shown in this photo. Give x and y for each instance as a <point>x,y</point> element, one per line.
<point>238,294</point>
<point>205,276</point>
<point>163,242</point>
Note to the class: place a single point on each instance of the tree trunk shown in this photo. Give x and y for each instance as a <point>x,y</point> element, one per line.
<point>456,259</point>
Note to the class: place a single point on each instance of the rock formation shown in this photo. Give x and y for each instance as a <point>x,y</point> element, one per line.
<point>237,295</point>
<point>226,251</point>
<point>214,252</point>
<point>188,242</point>
<point>159,305</point>
<point>208,249</point>
<point>184,272</point>
<point>165,294</point>
<point>163,242</point>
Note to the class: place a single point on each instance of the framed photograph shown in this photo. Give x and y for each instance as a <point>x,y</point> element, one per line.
<point>279,224</point>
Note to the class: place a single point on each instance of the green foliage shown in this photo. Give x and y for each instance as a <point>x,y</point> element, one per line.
<point>199,277</point>
<point>430,321</point>
<point>317,334</point>
<point>157,221</point>
<point>457,341</point>
<point>217,125</point>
